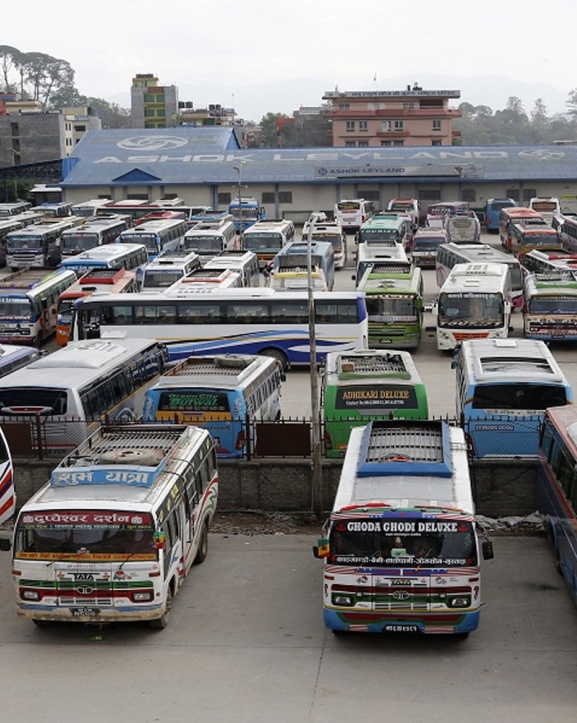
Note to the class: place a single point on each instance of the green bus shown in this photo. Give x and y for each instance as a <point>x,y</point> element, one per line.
<point>364,385</point>
<point>394,306</point>
<point>385,227</point>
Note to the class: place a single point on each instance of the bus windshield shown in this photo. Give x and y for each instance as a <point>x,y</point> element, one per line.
<point>78,241</point>
<point>28,241</point>
<point>204,243</point>
<point>518,396</point>
<point>553,305</point>
<point>471,309</point>
<point>395,307</point>
<point>23,400</point>
<point>148,239</point>
<point>14,308</point>
<point>402,544</point>
<point>254,242</point>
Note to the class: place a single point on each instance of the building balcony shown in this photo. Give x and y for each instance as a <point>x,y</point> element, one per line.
<point>394,114</point>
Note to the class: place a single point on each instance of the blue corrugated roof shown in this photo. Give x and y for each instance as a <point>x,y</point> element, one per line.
<point>173,156</point>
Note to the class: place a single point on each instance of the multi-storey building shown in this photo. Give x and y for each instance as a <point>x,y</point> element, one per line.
<point>153,105</point>
<point>411,117</point>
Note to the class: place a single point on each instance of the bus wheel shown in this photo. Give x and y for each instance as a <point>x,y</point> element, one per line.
<point>278,355</point>
<point>161,622</point>
<point>202,546</point>
<point>41,623</point>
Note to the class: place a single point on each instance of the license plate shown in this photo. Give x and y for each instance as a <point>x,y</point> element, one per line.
<point>85,612</point>
<point>401,629</point>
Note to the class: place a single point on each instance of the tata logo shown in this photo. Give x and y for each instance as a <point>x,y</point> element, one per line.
<point>406,583</point>
<point>152,143</point>
<point>83,576</point>
<point>84,590</point>
<point>401,595</point>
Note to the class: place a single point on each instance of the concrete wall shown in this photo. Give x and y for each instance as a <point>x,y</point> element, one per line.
<point>286,485</point>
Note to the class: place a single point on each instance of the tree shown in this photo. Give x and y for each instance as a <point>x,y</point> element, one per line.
<point>269,133</point>
<point>571,103</point>
<point>9,61</point>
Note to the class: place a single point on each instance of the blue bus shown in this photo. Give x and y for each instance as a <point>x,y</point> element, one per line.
<point>219,393</point>
<point>493,208</point>
<point>13,357</point>
<point>294,255</point>
<point>557,489</point>
<point>157,235</point>
<point>503,389</point>
<point>246,213</point>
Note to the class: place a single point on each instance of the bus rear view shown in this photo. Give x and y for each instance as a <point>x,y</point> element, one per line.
<point>400,547</point>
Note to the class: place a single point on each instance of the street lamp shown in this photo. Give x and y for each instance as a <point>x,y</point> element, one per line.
<point>317,461</point>
<point>239,170</point>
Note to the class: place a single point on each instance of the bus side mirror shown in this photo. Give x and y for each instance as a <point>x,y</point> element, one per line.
<point>487,549</point>
<point>5,544</point>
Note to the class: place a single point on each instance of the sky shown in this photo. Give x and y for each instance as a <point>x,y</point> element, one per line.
<point>258,56</point>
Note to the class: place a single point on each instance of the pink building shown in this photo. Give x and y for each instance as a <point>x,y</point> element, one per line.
<point>411,117</point>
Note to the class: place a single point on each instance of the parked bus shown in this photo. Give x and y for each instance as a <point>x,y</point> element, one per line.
<point>138,208</point>
<point>548,206</point>
<point>113,534</point>
<point>295,255</point>
<point>35,245</point>
<point>159,235</point>
<point>107,281</point>
<point>493,209</point>
<point>244,263</point>
<point>424,245</point>
<point>266,239</point>
<point>557,489</point>
<point>566,227</point>
<point>473,303</point>
<point>400,548</point>
<point>394,306</point>
<point>527,235</point>
<point>54,209</point>
<point>249,212</point>
<point>8,210</point>
<point>7,225</point>
<point>407,205</point>
<point>7,492</point>
<point>72,389</point>
<point>359,386</point>
<point>207,239</point>
<point>88,209</point>
<point>29,303</point>
<point>538,261</point>
<point>438,212</point>
<point>168,268</point>
<point>515,214</point>
<point>352,213</point>
<point>385,229</point>
<point>450,254</point>
<point>463,228</point>
<point>332,232</point>
<point>503,389</point>
<point>129,256</point>
<point>202,281</point>
<point>14,357</point>
<point>550,306</point>
<point>96,231</point>
<point>219,393</point>
<point>236,321</point>
<point>381,255</point>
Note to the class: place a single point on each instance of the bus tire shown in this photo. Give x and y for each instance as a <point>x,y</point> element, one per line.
<point>202,551</point>
<point>161,622</point>
<point>278,355</point>
<point>41,623</point>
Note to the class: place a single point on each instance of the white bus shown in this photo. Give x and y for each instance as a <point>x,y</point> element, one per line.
<point>36,244</point>
<point>390,257</point>
<point>88,209</point>
<point>113,534</point>
<point>473,303</point>
<point>29,304</point>
<point>237,321</point>
<point>210,238</point>
<point>400,547</point>
<point>266,239</point>
<point>203,281</point>
<point>13,209</point>
<point>129,256</point>
<point>70,390</point>
<point>7,491</point>
<point>244,263</point>
<point>168,268</point>
<point>352,213</point>
<point>157,235</point>
<point>450,254</point>
<point>97,231</point>
<point>295,255</point>
<point>219,393</point>
<point>334,233</point>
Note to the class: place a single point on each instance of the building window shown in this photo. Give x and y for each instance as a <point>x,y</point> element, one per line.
<point>371,195</point>
<point>512,193</point>
<point>363,144</point>
<point>350,125</point>
<point>409,105</point>
<point>148,98</point>
<point>160,98</point>
<point>436,125</point>
<point>363,125</point>
<point>268,197</point>
<point>224,199</point>
<point>350,144</point>
<point>285,196</point>
<point>398,143</point>
<point>161,112</point>
<point>385,126</point>
<point>344,106</point>
<point>437,142</point>
<point>469,195</point>
<point>529,193</point>
<point>149,112</point>
<point>399,125</point>
<point>80,129</point>
<point>429,195</point>
<point>386,143</point>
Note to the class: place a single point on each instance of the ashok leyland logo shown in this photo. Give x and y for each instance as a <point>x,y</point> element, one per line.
<point>542,155</point>
<point>151,143</point>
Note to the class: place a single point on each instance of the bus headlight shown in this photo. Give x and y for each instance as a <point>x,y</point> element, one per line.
<point>343,600</point>
<point>142,596</point>
<point>30,595</point>
<point>459,602</point>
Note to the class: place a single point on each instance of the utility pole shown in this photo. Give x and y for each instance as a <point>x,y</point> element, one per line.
<point>239,170</point>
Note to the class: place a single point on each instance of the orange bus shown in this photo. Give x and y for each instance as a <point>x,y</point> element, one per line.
<point>511,215</point>
<point>114,281</point>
